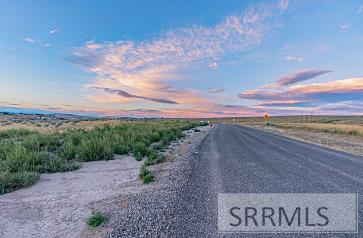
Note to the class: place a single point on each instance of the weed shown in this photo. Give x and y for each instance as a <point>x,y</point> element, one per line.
<point>97,218</point>
<point>145,175</point>
<point>154,158</point>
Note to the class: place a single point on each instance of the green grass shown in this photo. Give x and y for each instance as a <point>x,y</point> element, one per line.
<point>24,154</point>
<point>97,218</point>
<point>12,181</point>
<point>15,133</point>
<point>145,175</point>
<point>154,158</point>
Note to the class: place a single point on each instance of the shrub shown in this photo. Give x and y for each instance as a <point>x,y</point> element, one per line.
<point>121,149</point>
<point>140,148</point>
<point>138,156</point>
<point>157,147</point>
<point>15,133</point>
<point>19,159</point>
<point>49,142</point>
<point>68,151</point>
<point>154,158</point>
<point>95,148</point>
<point>5,147</point>
<point>50,163</point>
<point>12,181</point>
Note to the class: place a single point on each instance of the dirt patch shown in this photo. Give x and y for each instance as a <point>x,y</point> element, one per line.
<point>59,204</point>
<point>349,144</point>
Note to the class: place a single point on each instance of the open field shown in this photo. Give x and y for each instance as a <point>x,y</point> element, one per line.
<point>344,129</point>
<point>350,120</point>
<point>25,153</point>
<point>345,125</point>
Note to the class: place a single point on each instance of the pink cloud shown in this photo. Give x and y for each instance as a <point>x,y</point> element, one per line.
<point>311,96</point>
<point>149,70</point>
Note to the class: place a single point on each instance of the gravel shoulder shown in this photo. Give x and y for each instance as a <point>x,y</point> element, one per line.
<point>345,143</point>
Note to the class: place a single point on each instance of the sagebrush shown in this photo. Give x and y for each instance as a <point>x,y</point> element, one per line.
<point>24,154</point>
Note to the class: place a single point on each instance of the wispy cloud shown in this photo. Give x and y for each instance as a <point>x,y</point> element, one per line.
<point>216,90</point>
<point>55,30</point>
<point>128,95</point>
<point>46,45</point>
<point>300,75</point>
<point>360,9</point>
<point>149,69</point>
<point>283,4</point>
<point>344,27</point>
<point>30,40</point>
<point>294,58</point>
<point>296,77</point>
<point>213,65</point>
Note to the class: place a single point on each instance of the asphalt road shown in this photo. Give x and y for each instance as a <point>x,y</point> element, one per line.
<point>237,159</point>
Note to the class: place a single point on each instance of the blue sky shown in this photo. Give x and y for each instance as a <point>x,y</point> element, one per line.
<point>182,58</point>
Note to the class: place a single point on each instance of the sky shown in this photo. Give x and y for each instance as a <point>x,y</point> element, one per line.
<point>182,58</point>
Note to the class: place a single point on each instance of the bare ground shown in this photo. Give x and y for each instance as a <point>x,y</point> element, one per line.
<point>59,204</point>
<point>349,144</point>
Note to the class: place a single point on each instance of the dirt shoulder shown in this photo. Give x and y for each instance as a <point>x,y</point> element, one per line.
<point>349,144</point>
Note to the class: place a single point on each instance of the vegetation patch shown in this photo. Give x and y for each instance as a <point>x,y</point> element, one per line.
<point>97,218</point>
<point>15,133</point>
<point>145,175</point>
<point>12,181</point>
<point>25,154</point>
<point>154,158</point>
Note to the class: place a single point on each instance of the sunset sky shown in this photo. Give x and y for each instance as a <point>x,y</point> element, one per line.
<point>182,58</point>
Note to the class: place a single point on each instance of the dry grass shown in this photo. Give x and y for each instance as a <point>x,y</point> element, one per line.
<point>344,129</point>
<point>58,127</point>
<point>351,120</point>
<point>344,125</point>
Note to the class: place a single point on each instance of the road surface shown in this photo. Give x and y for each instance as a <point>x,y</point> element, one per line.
<point>237,159</point>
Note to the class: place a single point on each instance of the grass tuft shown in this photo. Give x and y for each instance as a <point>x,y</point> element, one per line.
<point>12,181</point>
<point>145,175</point>
<point>97,218</point>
